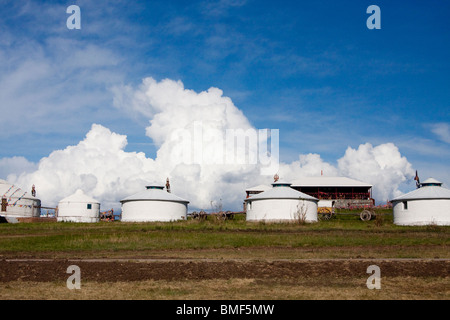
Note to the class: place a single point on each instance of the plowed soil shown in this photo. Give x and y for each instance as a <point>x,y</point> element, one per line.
<point>104,270</point>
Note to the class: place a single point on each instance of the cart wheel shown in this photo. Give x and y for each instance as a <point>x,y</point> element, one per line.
<point>325,214</point>
<point>365,215</point>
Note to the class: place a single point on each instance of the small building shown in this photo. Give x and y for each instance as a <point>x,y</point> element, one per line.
<point>339,192</point>
<point>429,204</point>
<point>154,204</point>
<point>78,207</point>
<point>281,203</point>
<point>17,203</point>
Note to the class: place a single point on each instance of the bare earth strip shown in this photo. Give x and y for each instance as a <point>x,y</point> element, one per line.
<point>224,279</point>
<point>109,270</point>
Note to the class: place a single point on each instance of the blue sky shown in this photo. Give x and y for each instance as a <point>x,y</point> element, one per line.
<point>309,68</point>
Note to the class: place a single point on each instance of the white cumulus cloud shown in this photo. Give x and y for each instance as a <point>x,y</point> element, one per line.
<point>14,166</point>
<point>98,165</point>
<point>190,130</point>
<point>383,166</point>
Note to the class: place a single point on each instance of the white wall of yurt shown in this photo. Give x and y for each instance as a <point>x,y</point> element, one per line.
<point>422,212</point>
<point>153,210</point>
<point>279,210</point>
<point>78,207</point>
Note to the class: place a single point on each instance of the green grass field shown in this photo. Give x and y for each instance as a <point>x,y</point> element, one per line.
<point>344,236</point>
<point>342,247</point>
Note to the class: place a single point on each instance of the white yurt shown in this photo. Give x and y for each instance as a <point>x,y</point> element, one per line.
<point>427,205</point>
<point>154,204</point>
<point>78,207</point>
<point>17,203</point>
<point>281,203</point>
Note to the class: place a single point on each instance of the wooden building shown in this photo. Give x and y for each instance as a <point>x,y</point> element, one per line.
<point>342,191</point>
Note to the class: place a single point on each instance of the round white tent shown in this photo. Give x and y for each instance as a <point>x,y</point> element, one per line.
<point>427,205</point>
<point>281,203</point>
<point>17,203</point>
<point>78,207</point>
<point>153,204</point>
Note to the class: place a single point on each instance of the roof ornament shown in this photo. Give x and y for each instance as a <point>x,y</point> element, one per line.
<point>417,180</point>
<point>168,185</point>
<point>275,177</point>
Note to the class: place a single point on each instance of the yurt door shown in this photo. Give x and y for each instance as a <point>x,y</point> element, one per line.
<point>4,204</point>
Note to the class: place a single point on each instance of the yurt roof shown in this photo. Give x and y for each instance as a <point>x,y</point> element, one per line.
<point>426,192</point>
<point>154,194</point>
<point>7,189</point>
<point>281,192</point>
<point>281,183</point>
<point>431,181</point>
<point>79,197</point>
<point>323,181</point>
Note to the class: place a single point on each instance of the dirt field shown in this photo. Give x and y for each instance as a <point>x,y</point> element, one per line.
<point>179,279</point>
<point>104,270</point>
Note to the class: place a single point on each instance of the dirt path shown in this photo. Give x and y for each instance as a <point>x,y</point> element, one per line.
<point>114,270</point>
